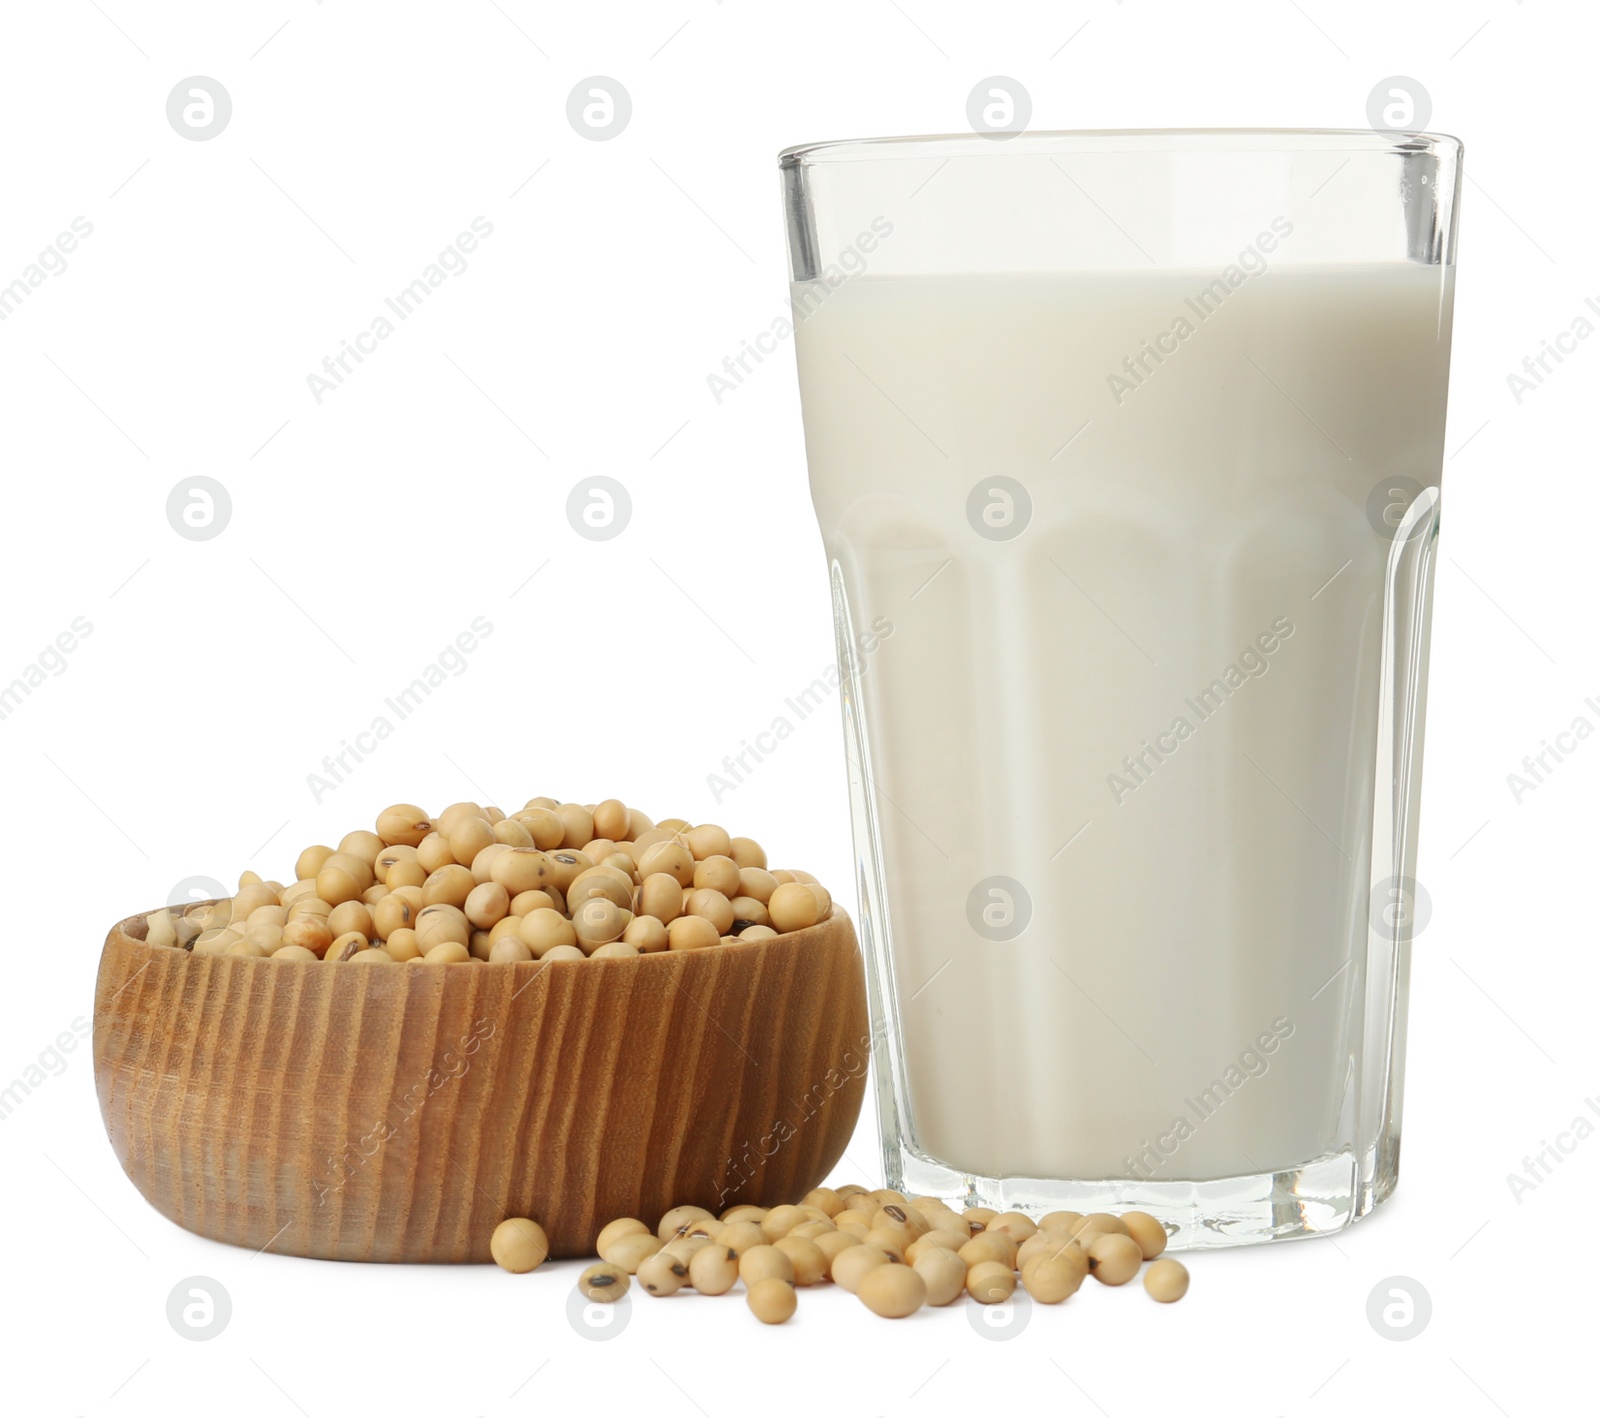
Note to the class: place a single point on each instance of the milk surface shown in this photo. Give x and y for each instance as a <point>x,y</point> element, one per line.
<point>1153,707</point>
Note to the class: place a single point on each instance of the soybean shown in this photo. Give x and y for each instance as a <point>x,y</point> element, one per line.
<point>763,1263</point>
<point>1114,1259</point>
<point>807,1263</point>
<point>604,1282</point>
<point>893,1291</point>
<point>714,1269</point>
<point>943,1272</point>
<point>1166,1280</point>
<point>771,1300</point>
<point>1147,1231</point>
<point>1051,1279</point>
<point>519,1245</point>
<point>850,1265</point>
<point>630,1251</point>
<point>991,1282</point>
<point>662,1274</point>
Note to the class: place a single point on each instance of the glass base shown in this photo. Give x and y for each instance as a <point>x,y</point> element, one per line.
<point>1317,1199</point>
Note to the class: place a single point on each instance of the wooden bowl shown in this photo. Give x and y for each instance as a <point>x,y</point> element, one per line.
<point>399,1114</point>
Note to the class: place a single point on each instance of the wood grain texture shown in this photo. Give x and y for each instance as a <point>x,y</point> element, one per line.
<point>400,1113</point>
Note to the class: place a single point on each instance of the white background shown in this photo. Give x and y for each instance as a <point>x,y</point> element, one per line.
<point>369,530</point>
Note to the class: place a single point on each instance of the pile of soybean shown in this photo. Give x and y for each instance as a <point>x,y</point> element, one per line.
<point>896,1254</point>
<point>552,882</point>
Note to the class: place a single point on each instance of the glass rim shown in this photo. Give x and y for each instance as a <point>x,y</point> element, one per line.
<point>1088,140</point>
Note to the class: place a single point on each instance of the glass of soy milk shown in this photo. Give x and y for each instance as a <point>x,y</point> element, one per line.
<point>1126,449</point>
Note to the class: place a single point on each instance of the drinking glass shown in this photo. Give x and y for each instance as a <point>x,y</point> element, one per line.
<point>1126,452</point>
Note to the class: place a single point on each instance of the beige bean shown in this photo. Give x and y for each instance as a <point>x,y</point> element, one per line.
<point>1114,1259</point>
<point>646,935</point>
<point>559,953</point>
<point>943,1272</point>
<point>771,1300</point>
<point>740,1236</point>
<point>402,944</point>
<point>662,1274</point>
<point>991,1282</point>
<point>439,923</point>
<point>603,881</point>
<point>293,952</point>
<point>712,906</point>
<point>613,1230</point>
<point>1147,1231</point>
<point>904,1215</point>
<point>577,824</point>
<point>629,1251</point>
<point>850,1264</point>
<point>717,874</point>
<point>1166,1280</point>
<point>744,1211</point>
<point>780,1221</point>
<point>526,901</point>
<point>520,869</point>
<point>611,819</point>
<point>708,840</point>
<point>543,826</point>
<point>889,1237</point>
<point>483,863</point>
<point>660,896</point>
<point>615,950</point>
<point>747,911</point>
<point>310,861</point>
<point>455,813</point>
<point>807,1262</point>
<point>1102,1223</point>
<point>450,952</point>
<point>990,1245</point>
<point>692,933</point>
<point>670,859</point>
<point>1051,1279</point>
<point>714,1269</point>
<point>391,914</point>
<point>391,857</point>
<point>1014,1224</point>
<point>337,884</point>
<point>792,908</point>
<point>892,1291</point>
<point>603,1282</point>
<point>309,933</point>
<point>519,1245</point>
<point>449,886</point>
<point>543,929</point>
<point>834,1243</point>
<point>680,1220</point>
<point>512,833</point>
<point>350,916</point>
<point>510,951</point>
<point>598,922</point>
<point>685,1247</point>
<point>404,824</point>
<point>948,1240</point>
<point>486,904</point>
<point>344,947</point>
<point>765,1263</point>
<point>757,883</point>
